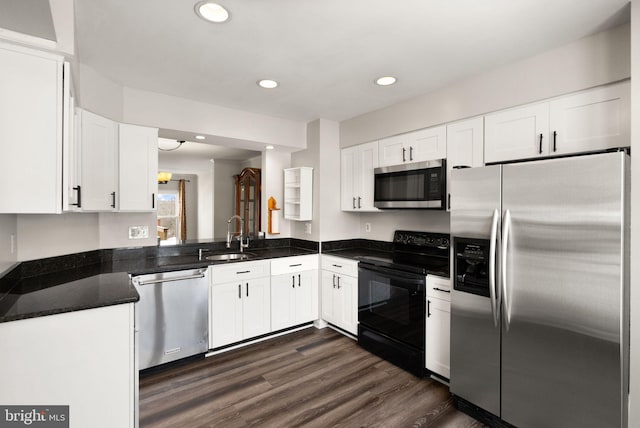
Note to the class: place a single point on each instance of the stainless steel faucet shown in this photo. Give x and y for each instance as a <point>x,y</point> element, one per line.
<point>243,245</point>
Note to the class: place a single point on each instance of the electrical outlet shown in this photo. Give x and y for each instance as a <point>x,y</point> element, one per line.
<point>138,232</point>
<point>307,228</point>
<point>367,227</point>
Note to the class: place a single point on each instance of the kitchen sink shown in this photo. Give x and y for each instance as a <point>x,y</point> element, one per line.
<point>230,256</point>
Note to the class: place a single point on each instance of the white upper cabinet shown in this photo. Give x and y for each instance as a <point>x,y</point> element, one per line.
<point>138,167</point>
<point>357,165</point>
<point>465,146</point>
<point>32,102</point>
<point>423,145</point>
<point>98,148</point>
<point>592,120</point>
<point>517,133</point>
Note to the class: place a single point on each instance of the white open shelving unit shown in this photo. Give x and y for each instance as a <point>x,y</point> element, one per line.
<point>298,193</point>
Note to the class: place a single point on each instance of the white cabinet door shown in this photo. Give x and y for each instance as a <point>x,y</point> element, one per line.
<point>83,359</point>
<point>328,296</point>
<point>427,144</point>
<point>418,146</point>
<point>593,120</point>
<point>348,178</point>
<point>357,183</point>
<point>392,151</point>
<point>138,167</point>
<point>256,307</point>
<point>519,133</point>
<point>98,162</point>
<point>438,328</point>
<point>31,122</point>
<point>306,297</point>
<point>346,303</point>
<point>283,300</point>
<point>465,146</point>
<point>367,161</point>
<point>225,314</point>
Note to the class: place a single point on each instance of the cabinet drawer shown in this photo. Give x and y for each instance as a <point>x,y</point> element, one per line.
<point>439,287</point>
<point>244,270</point>
<point>340,265</point>
<point>294,264</point>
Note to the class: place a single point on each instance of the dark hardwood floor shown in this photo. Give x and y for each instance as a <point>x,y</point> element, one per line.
<point>311,378</point>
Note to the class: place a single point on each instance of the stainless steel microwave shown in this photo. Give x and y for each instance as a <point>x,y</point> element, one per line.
<point>415,185</point>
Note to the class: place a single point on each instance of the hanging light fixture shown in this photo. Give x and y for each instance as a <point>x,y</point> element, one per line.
<point>164,177</point>
<point>180,143</point>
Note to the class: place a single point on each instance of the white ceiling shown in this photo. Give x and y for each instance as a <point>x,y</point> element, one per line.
<point>324,53</point>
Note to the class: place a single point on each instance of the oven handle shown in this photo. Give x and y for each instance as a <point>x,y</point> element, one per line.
<point>412,278</point>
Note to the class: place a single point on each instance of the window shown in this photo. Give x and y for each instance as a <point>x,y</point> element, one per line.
<point>168,216</point>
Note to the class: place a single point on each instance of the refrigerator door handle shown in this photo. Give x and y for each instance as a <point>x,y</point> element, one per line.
<point>506,221</point>
<point>493,292</point>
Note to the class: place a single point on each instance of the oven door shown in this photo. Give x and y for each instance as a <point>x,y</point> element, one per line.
<point>392,303</point>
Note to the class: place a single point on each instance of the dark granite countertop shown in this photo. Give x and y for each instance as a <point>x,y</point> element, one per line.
<point>101,277</point>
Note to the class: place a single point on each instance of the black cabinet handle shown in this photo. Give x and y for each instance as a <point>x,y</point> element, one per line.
<point>247,289</point>
<point>239,291</point>
<point>441,289</point>
<point>334,280</point>
<point>113,199</point>
<point>428,308</point>
<point>297,264</point>
<point>540,143</point>
<point>404,151</point>
<point>79,190</point>
<point>293,281</point>
<point>298,280</point>
<point>555,133</point>
<point>449,201</point>
<point>243,271</point>
<point>153,200</point>
<point>359,200</point>
<point>410,153</point>
<point>338,284</point>
<point>354,203</point>
<point>335,265</point>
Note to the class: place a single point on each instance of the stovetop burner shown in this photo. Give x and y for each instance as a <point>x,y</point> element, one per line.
<point>417,252</point>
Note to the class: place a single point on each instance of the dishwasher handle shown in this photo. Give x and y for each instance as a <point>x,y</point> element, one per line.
<point>178,278</point>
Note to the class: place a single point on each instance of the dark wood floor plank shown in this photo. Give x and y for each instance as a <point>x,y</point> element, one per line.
<point>310,378</point>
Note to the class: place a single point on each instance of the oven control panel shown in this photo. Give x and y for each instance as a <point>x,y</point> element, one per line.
<point>421,239</point>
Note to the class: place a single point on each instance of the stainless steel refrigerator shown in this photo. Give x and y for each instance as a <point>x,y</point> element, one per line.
<point>539,310</point>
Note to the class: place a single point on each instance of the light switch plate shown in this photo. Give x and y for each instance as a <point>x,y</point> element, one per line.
<point>138,232</point>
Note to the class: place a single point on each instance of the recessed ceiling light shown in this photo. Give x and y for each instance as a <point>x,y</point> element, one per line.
<point>269,147</point>
<point>267,83</point>
<point>385,80</point>
<point>212,12</point>
<point>200,137</point>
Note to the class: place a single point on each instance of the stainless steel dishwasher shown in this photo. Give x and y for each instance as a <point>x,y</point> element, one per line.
<point>172,316</point>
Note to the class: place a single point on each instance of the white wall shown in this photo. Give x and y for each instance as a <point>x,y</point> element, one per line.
<point>634,389</point>
<point>98,94</point>
<point>8,228</point>
<point>113,229</point>
<point>273,164</point>
<point>383,224</point>
<point>48,235</point>
<point>224,194</point>
<point>323,155</point>
<point>165,111</point>
<point>592,61</point>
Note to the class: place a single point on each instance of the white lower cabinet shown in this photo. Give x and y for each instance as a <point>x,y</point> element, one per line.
<point>83,359</point>
<point>239,302</point>
<point>294,291</point>
<point>438,322</point>
<point>340,293</point>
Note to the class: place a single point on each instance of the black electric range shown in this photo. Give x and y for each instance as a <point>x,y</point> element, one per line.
<point>392,297</point>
